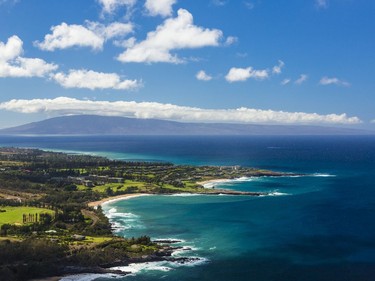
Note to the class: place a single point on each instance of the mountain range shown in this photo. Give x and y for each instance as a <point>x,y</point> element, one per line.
<point>109,125</point>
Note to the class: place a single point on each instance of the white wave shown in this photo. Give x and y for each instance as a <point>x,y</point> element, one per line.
<point>218,182</point>
<point>196,262</point>
<point>276,193</point>
<point>123,221</point>
<point>242,179</point>
<point>170,239</point>
<point>89,277</point>
<point>112,210</point>
<point>304,175</point>
<point>184,250</point>
<point>115,214</point>
<point>164,266</point>
<point>185,194</point>
<point>141,267</point>
<point>323,175</point>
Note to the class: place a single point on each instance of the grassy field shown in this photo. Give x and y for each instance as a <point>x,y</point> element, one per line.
<point>13,215</point>
<point>114,186</point>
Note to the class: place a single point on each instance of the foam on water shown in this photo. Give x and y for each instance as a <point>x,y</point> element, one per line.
<point>163,266</point>
<point>134,268</point>
<point>180,241</point>
<point>185,194</point>
<point>276,193</point>
<point>224,182</point>
<point>123,221</point>
<point>323,175</point>
<point>89,277</point>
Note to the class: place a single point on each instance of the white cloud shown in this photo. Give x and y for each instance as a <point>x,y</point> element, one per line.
<point>321,4</point>
<point>13,65</point>
<point>11,2</point>
<point>110,6</point>
<point>94,80</point>
<point>173,34</point>
<point>231,40</point>
<point>249,5</point>
<point>219,2</point>
<point>372,121</point>
<point>203,76</point>
<point>159,7</point>
<point>65,105</point>
<point>302,78</point>
<point>278,68</point>
<point>241,55</point>
<point>66,36</point>
<point>242,74</point>
<point>113,30</point>
<point>93,35</point>
<point>333,81</point>
<point>285,81</point>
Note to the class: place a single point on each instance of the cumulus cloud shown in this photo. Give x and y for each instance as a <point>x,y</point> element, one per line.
<point>159,7</point>
<point>243,74</point>
<point>278,68</point>
<point>113,30</point>
<point>173,34</point>
<point>94,80</point>
<point>65,105</point>
<point>13,65</point>
<point>333,81</point>
<point>302,78</point>
<point>321,4</point>
<point>93,35</point>
<point>110,6</point>
<point>203,76</point>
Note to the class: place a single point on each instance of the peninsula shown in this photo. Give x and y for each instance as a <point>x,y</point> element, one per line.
<point>51,221</point>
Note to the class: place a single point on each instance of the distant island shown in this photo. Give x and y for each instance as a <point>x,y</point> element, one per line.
<point>51,221</point>
<point>105,125</point>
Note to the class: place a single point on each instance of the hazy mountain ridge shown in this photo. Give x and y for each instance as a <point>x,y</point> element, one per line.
<point>104,125</point>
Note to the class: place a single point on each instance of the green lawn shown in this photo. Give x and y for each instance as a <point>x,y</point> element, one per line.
<point>114,186</point>
<point>141,186</point>
<point>13,215</point>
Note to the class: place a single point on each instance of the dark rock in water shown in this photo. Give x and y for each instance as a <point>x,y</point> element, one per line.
<point>167,241</point>
<point>166,251</point>
<point>185,260</point>
<point>99,270</point>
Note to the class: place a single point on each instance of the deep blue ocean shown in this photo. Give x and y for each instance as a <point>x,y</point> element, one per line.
<point>315,227</point>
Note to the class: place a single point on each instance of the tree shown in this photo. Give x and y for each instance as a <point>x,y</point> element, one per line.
<point>109,191</point>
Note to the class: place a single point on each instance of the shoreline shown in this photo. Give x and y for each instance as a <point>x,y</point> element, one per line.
<point>208,186</point>
<point>210,183</point>
<point>107,200</point>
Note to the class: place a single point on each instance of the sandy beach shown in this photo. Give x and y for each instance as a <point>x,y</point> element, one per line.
<point>211,183</point>
<point>116,198</point>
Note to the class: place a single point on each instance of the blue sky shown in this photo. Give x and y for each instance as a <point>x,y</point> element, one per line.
<point>239,61</point>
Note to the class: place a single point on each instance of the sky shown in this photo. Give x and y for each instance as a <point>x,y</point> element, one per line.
<point>236,61</point>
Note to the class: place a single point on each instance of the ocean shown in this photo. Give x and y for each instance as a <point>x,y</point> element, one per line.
<point>319,226</point>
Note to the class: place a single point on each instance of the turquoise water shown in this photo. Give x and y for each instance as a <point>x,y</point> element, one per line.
<point>316,227</point>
